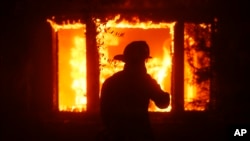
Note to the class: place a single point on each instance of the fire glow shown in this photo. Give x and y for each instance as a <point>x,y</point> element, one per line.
<point>116,33</point>
<point>71,66</point>
<point>197,44</point>
<point>112,36</point>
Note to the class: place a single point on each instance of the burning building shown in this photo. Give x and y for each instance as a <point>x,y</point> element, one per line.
<point>84,39</point>
<point>70,48</point>
<point>111,36</point>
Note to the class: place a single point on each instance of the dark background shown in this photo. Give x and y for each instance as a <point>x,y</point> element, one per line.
<point>26,78</point>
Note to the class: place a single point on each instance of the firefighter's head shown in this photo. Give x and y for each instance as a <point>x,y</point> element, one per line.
<point>134,52</point>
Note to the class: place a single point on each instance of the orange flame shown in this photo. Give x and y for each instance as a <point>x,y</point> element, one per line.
<point>72,73</point>
<point>158,68</point>
<point>71,65</point>
<point>78,73</point>
<point>65,25</point>
<point>193,91</point>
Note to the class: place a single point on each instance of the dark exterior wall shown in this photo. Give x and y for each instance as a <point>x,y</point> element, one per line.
<point>14,52</point>
<point>41,57</point>
<point>26,62</point>
<point>232,61</point>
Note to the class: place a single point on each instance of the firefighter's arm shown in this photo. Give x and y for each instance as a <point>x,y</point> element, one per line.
<point>160,98</point>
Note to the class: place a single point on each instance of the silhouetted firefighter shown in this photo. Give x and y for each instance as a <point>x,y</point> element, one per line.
<point>125,97</point>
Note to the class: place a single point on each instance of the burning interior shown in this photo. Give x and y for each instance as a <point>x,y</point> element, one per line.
<point>112,36</point>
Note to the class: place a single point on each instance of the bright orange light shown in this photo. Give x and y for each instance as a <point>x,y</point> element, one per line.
<point>71,65</point>
<point>113,33</point>
<point>65,25</point>
<point>111,39</point>
<point>196,96</point>
<point>78,72</point>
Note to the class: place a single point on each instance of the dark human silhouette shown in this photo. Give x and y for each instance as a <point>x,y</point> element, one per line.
<point>125,97</point>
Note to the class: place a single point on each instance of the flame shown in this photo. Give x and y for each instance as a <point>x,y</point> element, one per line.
<point>135,23</point>
<point>75,51</point>
<point>71,65</point>
<point>65,25</point>
<point>158,68</point>
<point>78,73</point>
<point>195,95</point>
